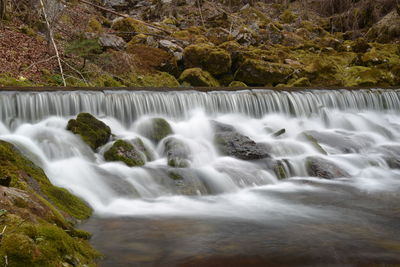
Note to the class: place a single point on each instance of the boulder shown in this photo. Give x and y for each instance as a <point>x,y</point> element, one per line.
<point>111,41</point>
<point>198,77</point>
<point>323,168</point>
<point>128,27</point>
<point>221,127</point>
<point>234,144</point>
<point>215,60</point>
<point>156,129</point>
<point>259,72</point>
<point>93,132</point>
<point>177,152</point>
<point>171,48</point>
<point>125,152</point>
<point>139,145</point>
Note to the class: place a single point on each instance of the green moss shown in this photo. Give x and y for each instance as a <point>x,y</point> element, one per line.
<point>93,132</point>
<point>287,16</point>
<point>125,152</point>
<point>301,82</point>
<point>382,53</point>
<point>129,27</point>
<point>198,77</point>
<point>237,84</point>
<point>106,80</point>
<point>24,173</point>
<point>315,143</point>
<point>42,245</point>
<point>212,59</point>
<point>94,26</point>
<point>280,171</point>
<point>366,76</point>
<point>6,80</point>
<point>258,72</point>
<point>158,79</point>
<point>158,129</point>
<point>174,175</point>
<point>67,202</point>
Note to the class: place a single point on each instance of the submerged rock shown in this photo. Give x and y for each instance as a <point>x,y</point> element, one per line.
<point>240,146</point>
<point>323,168</point>
<point>177,152</point>
<point>221,127</point>
<point>93,132</point>
<point>125,152</point>
<point>156,129</point>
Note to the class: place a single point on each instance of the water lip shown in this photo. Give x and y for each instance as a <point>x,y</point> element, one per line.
<point>169,89</point>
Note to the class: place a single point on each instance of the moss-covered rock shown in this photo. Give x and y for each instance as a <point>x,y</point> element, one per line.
<point>212,59</point>
<point>360,46</point>
<point>93,132</point>
<point>258,72</point>
<point>156,129</point>
<point>366,76</point>
<point>177,152</point>
<point>129,27</point>
<point>123,151</point>
<point>237,84</point>
<point>24,174</point>
<point>198,77</point>
<point>157,79</point>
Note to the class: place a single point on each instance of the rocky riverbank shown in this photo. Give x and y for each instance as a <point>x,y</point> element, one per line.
<point>209,44</point>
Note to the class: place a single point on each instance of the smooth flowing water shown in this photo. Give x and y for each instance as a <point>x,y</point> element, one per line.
<point>224,211</point>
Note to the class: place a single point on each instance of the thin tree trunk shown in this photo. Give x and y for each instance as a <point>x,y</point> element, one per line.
<point>53,42</point>
<point>3,6</point>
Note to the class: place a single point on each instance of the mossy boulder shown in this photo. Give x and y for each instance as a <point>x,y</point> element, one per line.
<point>360,46</point>
<point>24,174</point>
<point>177,152</point>
<point>93,132</point>
<point>258,72</point>
<point>129,27</point>
<point>323,168</point>
<point>157,79</point>
<point>198,77</point>
<point>237,84</point>
<point>123,151</point>
<point>156,129</point>
<point>366,76</point>
<point>212,59</point>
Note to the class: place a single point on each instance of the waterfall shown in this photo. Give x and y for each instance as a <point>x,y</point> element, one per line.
<point>127,106</point>
<point>356,130</point>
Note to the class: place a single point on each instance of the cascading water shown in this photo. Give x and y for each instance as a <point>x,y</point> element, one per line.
<point>358,131</point>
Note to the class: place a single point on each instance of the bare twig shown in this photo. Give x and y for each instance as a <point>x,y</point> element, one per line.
<point>53,42</point>
<point>77,71</point>
<point>36,63</point>
<point>122,15</point>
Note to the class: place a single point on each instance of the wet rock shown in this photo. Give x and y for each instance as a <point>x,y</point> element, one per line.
<point>340,141</point>
<point>125,152</point>
<point>323,168</point>
<point>240,146</point>
<point>177,152</point>
<point>221,127</point>
<point>156,129</point>
<point>198,77</point>
<point>139,145</point>
<point>93,132</point>
<point>212,59</point>
<point>279,133</point>
<point>258,72</point>
<point>111,41</point>
<point>391,155</point>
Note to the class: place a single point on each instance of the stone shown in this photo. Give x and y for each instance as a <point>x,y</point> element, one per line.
<point>156,129</point>
<point>279,133</point>
<point>221,127</point>
<point>234,144</point>
<point>323,168</point>
<point>215,60</point>
<point>123,151</point>
<point>111,41</point>
<point>177,152</point>
<point>258,72</point>
<point>198,77</point>
<point>93,132</point>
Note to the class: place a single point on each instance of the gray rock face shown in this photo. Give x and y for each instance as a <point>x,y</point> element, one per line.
<point>322,168</point>
<point>177,152</point>
<point>240,146</point>
<point>111,41</point>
